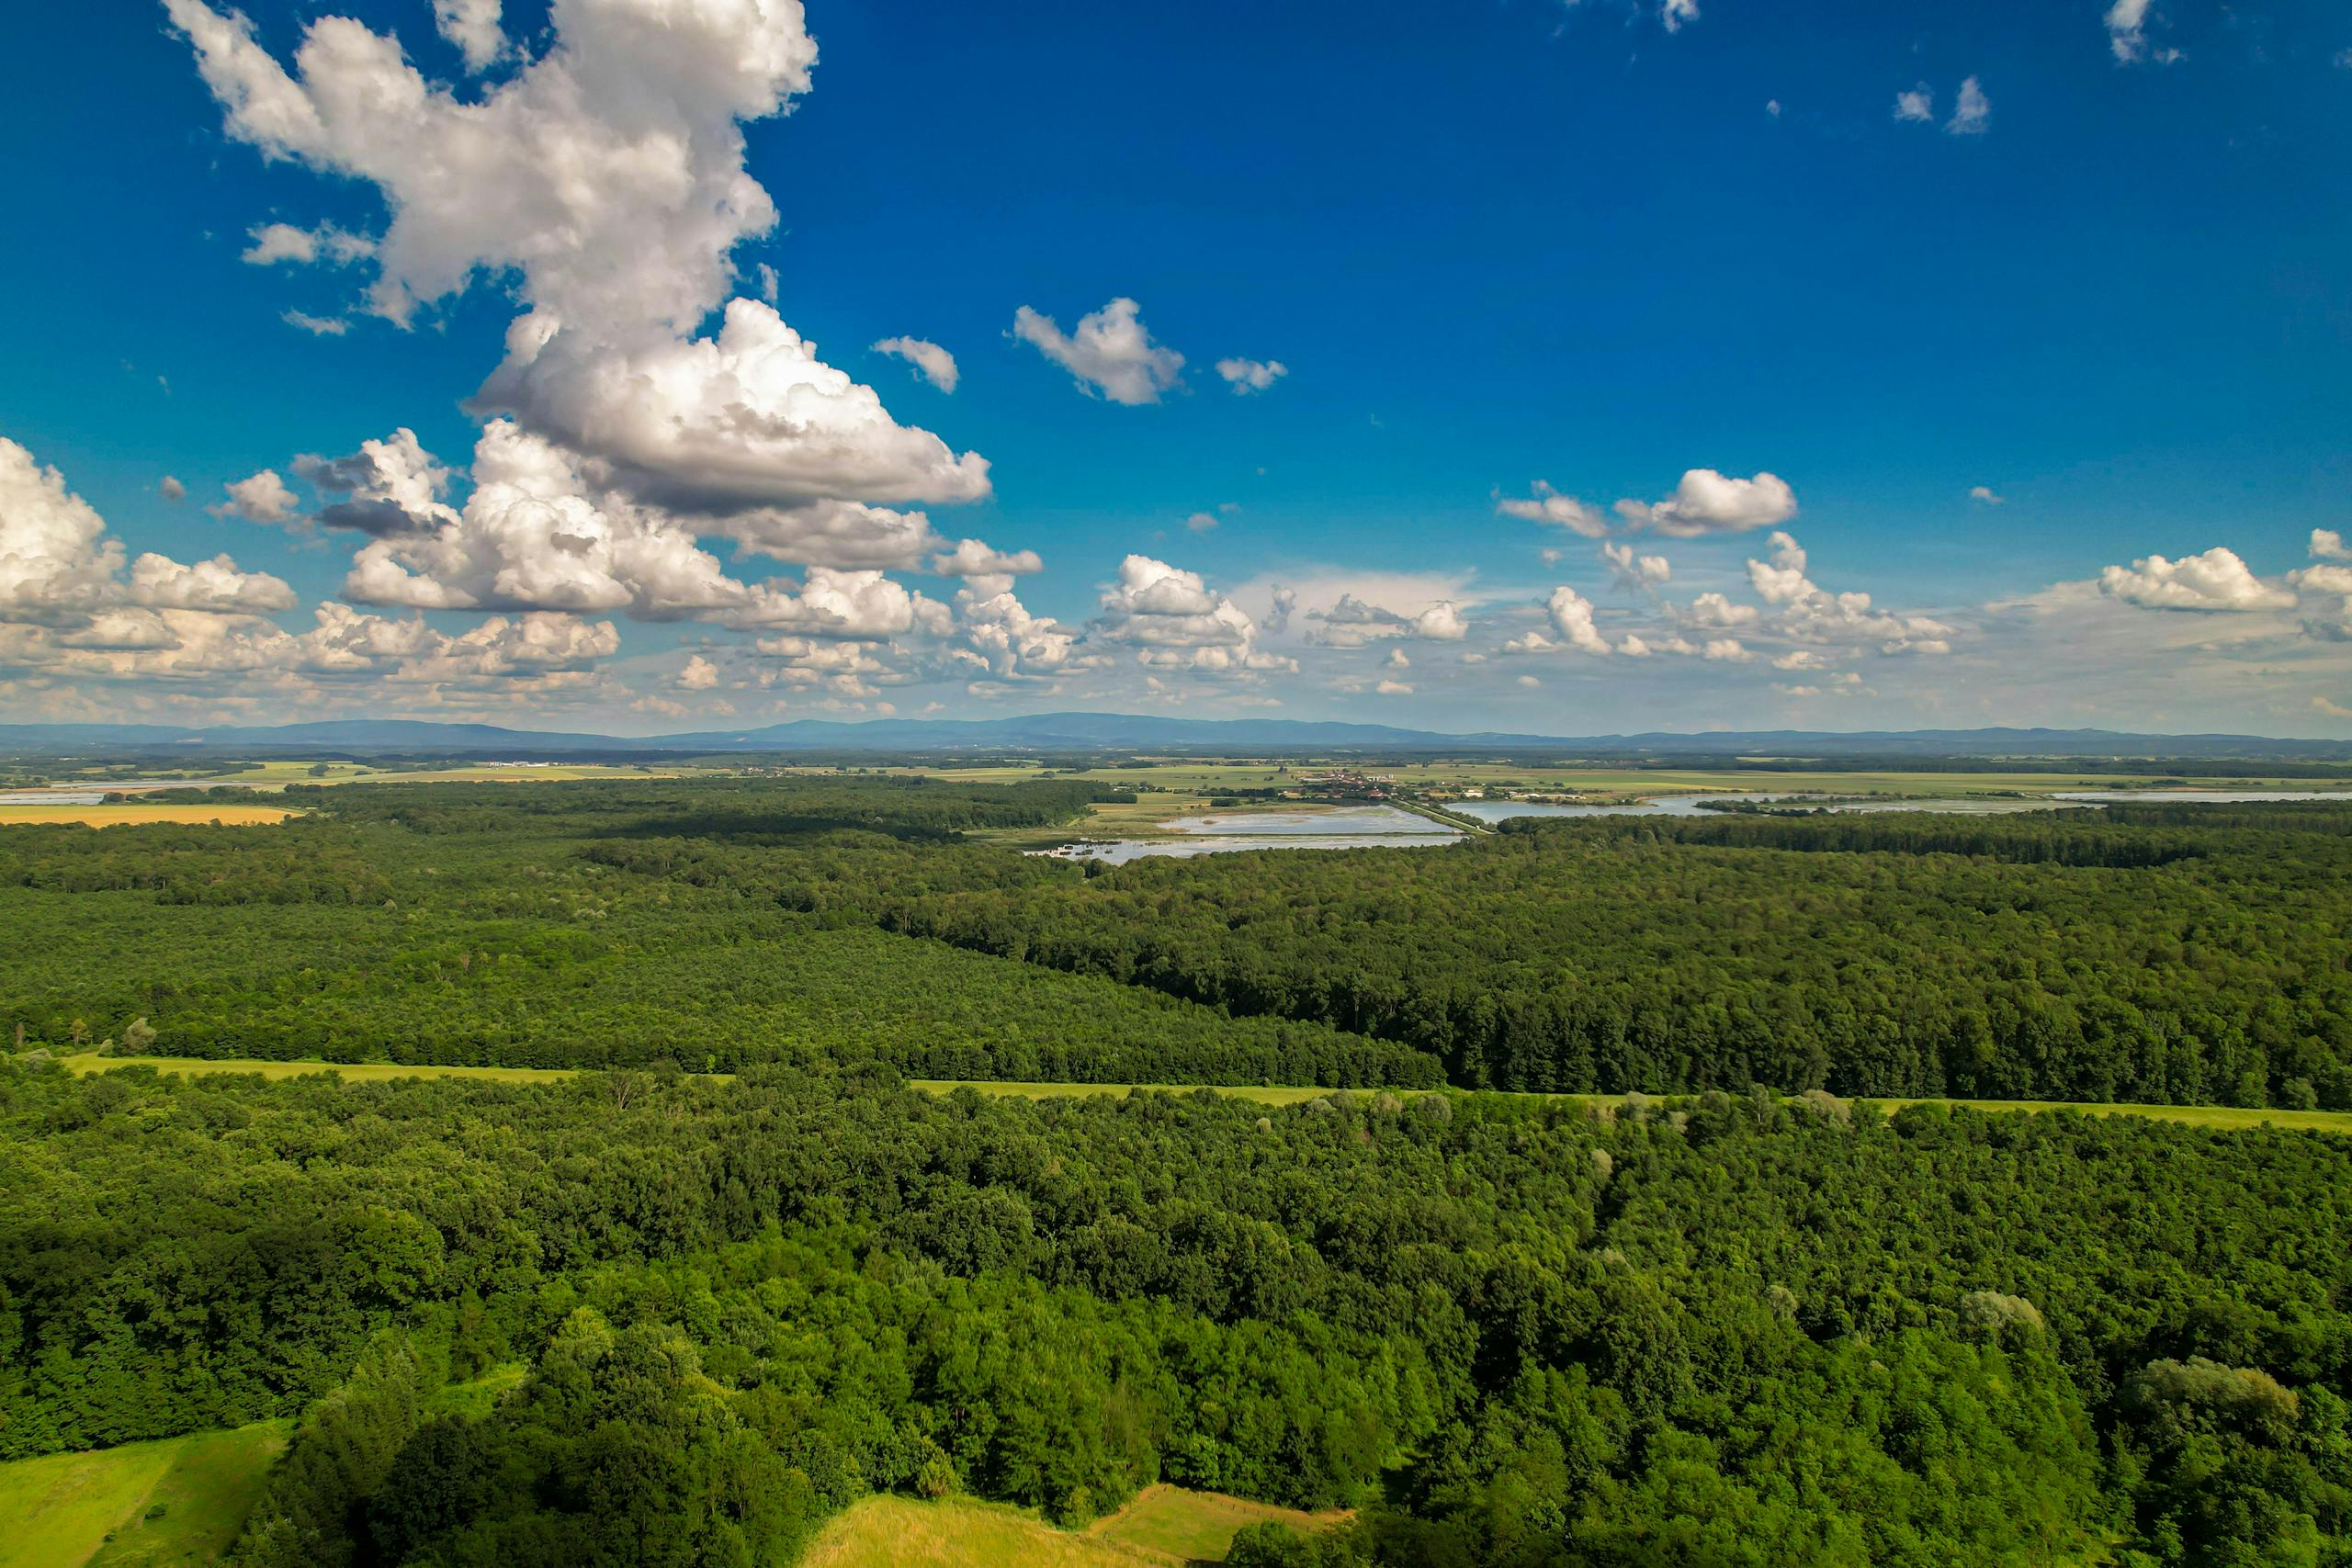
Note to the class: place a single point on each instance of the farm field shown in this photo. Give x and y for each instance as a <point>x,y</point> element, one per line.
<point>1144,817</point>
<point>75,1510</point>
<point>1165,1525</point>
<point>554,772</point>
<point>2225,1116</point>
<point>1186,787</point>
<point>133,812</point>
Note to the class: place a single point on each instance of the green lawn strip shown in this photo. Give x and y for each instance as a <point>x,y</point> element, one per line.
<point>2222,1116</point>
<point>214,1482</point>
<point>68,1510</point>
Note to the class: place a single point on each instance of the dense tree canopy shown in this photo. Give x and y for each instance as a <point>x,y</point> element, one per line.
<point>1540,1333</point>
<point>666,1316</point>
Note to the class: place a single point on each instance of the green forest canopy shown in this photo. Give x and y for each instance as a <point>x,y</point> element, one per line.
<point>1726,1328</point>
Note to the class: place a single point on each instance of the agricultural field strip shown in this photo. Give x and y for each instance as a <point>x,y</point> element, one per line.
<point>110,816</point>
<point>2225,1116</point>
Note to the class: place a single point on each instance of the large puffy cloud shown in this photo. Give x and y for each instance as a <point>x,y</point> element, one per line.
<point>858,606</point>
<point>972,557</point>
<point>607,176</point>
<point>1635,571</point>
<point>1811,614</point>
<point>1110,354</point>
<point>1354,622</point>
<point>534,535</point>
<point>1570,615</point>
<point>59,567</point>
<point>2217,579</point>
<point>846,535</point>
<point>751,418</point>
<point>1781,580</point>
<point>608,173</point>
<point>56,560</point>
<point>1174,621</point>
<point>1709,502</point>
<point>259,498</point>
<point>1007,643</point>
<point>181,640</point>
<point>1711,609</point>
<point>1545,504</point>
<point>538,534</point>
<point>391,486</point>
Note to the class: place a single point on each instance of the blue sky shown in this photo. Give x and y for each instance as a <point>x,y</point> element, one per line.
<point>1490,245</point>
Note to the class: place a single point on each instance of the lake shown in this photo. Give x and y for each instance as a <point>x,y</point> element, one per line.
<point>1688,805</point>
<point>1385,827</point>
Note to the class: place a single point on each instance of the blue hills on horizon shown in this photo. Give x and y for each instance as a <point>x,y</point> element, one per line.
<point>1097,731</point>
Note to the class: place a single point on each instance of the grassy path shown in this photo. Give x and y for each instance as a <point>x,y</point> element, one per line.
<point>2225,1116</point>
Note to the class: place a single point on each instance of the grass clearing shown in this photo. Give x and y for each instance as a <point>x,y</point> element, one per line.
<point>1165,1525</point>
<point>1171,1525</point>
<point>65,1507</point>
<point>529,773</point>
<point>143,812</point>
<point>1264,1094</point>
<point>2226,1117</point>
<point>358,1072</point>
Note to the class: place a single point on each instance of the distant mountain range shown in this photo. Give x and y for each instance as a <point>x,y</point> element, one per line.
<point>1111,731</point>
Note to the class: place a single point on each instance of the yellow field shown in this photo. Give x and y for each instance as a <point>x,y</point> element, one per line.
<point>2223,1116</point>
<point>1165,1526</point>
<point>69,1510</point>
<point>140,811</point>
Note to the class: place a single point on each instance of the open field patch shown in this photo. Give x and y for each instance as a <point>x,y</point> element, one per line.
<point>2220,1116</point>
<point>1170,1524</point>
<point>173,1503</point>
<point>1165,1525</point>
<point>138,811</point>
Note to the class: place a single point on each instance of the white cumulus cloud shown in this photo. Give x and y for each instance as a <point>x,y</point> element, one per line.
<point>935,364</point>
<point>604,181</point>
<point>2217,579</point>
<point>1110,354</point>
<point>1707,501</point>
<point>1248,376</point>
<point>60,566</point>
<point>1971,112</point>
<point>1545,504</point>
<point>1570,614</point>
<point>259,498</point>
<point>1175,620</point>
